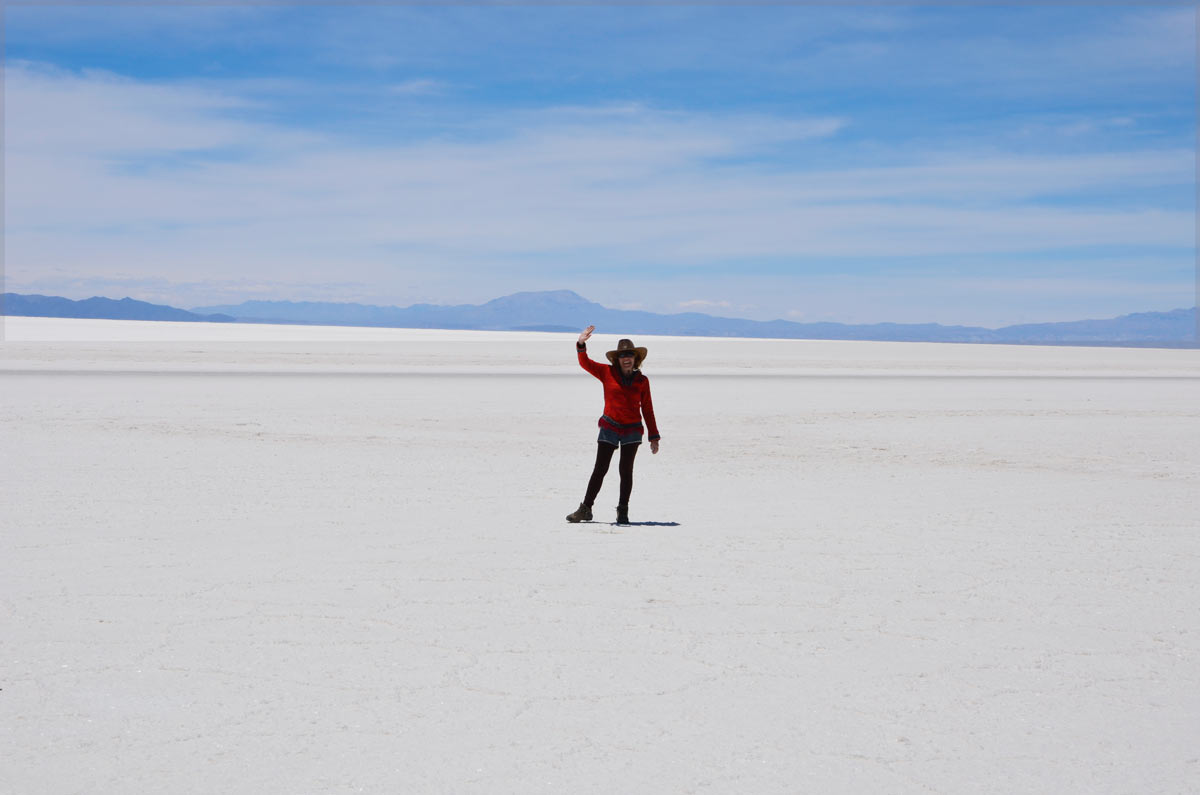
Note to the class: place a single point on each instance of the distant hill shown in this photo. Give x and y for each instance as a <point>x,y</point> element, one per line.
<point>566,311</point>
<point>1177,325</point>
<point>16,305</point>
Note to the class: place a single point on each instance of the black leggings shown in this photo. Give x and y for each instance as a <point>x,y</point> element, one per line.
<point>604,454</point>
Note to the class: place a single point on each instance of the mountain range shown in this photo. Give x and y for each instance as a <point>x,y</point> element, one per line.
<point>96,307</point>
<point>566,311</point>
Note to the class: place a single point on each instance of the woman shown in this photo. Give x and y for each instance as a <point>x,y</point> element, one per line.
<point>626,399</point>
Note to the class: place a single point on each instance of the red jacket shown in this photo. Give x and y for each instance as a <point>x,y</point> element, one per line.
<point>625,399</point>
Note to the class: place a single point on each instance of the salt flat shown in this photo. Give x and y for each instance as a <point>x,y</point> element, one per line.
<point>297,559</point>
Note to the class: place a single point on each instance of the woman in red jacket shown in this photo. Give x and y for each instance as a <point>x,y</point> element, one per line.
<point>626,400</point>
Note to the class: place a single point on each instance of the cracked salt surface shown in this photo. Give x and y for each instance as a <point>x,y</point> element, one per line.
<point>873,578</point>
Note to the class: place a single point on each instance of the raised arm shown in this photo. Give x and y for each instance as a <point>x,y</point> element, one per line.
<point>595,368</point>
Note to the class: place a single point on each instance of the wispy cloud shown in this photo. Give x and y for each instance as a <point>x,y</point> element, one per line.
<point>418,87</point>
<point>132,179</point>
<point>704,304</point>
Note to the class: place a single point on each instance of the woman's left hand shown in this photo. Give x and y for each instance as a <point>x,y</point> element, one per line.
<point>654,446</point>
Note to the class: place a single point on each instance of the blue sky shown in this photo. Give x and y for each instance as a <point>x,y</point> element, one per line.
<point>977,165</point>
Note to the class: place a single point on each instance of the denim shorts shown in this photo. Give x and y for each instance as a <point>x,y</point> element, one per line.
<point>629,434</point>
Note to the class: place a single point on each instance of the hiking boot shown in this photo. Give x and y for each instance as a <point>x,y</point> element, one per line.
<point>622,514</point>
<point>582,514</point>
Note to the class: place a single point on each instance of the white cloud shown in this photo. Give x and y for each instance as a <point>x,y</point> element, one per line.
<point>114,178</point>
<point>99,114</point>
<point>700,303</point>
<point>418,87</point>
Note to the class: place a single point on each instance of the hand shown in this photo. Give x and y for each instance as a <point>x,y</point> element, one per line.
<point>654,446</point>
<point>587,332</point>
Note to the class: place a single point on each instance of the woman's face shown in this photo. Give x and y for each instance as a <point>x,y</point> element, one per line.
<point>626,363</point>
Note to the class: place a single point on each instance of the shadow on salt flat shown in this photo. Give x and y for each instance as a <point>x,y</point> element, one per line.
<point>631,524</point>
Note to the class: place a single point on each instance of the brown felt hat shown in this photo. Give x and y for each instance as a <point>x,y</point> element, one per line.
<point>639,354</point>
